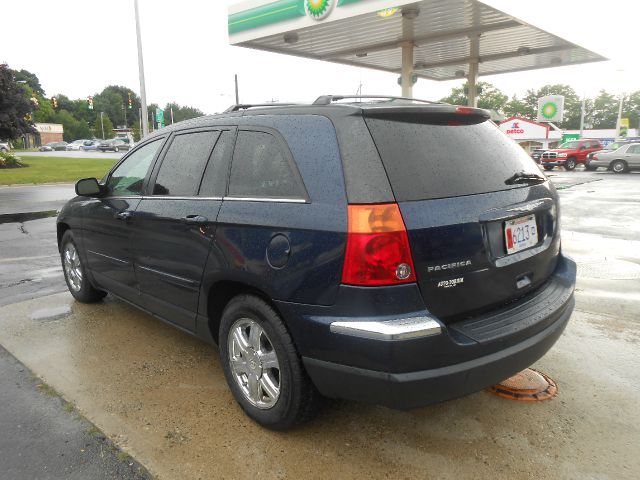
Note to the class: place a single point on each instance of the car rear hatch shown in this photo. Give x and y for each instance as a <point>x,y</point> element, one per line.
<point>464,190</point>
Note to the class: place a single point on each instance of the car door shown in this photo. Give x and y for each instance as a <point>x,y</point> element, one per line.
<point>632,156</point>
<point>175,222</point>
<point>106,223</point>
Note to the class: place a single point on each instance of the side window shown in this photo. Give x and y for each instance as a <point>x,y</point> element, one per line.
<point>128,177</point>
<point>184,162</point>
<point>635,149</point>
<point>261,168</point>
<point>595,145</point>
<point>215,174</point>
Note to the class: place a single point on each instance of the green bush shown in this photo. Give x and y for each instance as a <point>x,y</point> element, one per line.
<point>9,160</point>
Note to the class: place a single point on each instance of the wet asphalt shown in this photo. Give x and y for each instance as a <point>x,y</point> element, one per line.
<point>161,396</point>
<point>42,437</point>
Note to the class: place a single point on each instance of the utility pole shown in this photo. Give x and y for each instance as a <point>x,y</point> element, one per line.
<point>618,123</point>
<point>124,108</point>
<point>582,116</point>
<point>102,124</point>
<point>143,92</point>
<point>237,97</point>
<point>171,108</point>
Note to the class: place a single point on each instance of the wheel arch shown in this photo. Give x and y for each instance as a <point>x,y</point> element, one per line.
<point>61,228</point>
<point>221,292</point>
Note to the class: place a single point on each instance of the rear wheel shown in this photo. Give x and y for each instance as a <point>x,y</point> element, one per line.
<point>115,149</point>
<point>619,166</point>
<point>570,164</point>
<point>74,272</point>
<point>261,364</point>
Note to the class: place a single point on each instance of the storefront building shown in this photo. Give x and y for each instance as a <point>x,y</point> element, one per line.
<point>531,135</point>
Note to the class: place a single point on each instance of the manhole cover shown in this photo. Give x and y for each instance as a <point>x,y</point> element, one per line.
<point>611,269</point>
<point>528,385</point>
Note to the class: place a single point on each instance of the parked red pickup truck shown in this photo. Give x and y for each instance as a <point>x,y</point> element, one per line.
<point>570,153</point>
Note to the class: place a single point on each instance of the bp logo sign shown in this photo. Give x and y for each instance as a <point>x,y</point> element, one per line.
<point>551,108</point>
<point>318,9</point>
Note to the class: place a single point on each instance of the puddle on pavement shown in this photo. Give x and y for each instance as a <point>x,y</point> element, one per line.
<point>50,314</point>
<point>161,395</point>
<point>25,217</point>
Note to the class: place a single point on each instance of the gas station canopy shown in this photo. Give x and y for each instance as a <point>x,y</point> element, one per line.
<point>432,39</point>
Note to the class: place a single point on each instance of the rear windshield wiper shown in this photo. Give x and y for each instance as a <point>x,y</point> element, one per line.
<point>523,177</point>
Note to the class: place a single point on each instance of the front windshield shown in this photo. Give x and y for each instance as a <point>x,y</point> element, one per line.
<point>569,145</point>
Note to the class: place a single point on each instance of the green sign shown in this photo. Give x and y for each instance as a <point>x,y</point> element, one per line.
<point>567,137</point>
<point>160,117</point>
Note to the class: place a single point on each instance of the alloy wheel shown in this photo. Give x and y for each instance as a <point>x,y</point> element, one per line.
<point>72,268</point>
<point>254,363</point>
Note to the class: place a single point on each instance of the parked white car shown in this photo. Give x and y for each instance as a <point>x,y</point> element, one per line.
<point>4,147</point>
<point>76,144</point>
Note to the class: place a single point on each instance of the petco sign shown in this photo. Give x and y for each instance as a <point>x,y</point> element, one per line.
<point>515,129</point>
<point>524,129</point>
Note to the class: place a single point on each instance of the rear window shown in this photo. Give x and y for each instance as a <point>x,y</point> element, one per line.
<point>425,161</point>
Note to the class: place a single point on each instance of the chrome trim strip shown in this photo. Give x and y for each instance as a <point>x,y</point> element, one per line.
<point>266,199</point>
<point>112,259</point>
<point>169,197</point>
<point>389,330</point>
<point>170,277</point>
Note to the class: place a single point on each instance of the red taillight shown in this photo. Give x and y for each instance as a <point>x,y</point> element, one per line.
<point>464,110</point>
<point>378,250</point>
<point>595,157</point>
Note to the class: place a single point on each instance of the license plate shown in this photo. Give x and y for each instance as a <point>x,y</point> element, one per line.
<point>520,233</point>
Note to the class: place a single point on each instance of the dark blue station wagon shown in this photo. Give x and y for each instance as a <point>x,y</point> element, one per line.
<point>387,251</point>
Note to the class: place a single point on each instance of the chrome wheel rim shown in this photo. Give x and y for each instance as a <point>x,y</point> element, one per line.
<point>618,167</point>
<point>254,363</point>
<point>72,269</point>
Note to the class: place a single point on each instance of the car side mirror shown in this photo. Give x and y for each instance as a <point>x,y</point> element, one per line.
<point>88,187</point>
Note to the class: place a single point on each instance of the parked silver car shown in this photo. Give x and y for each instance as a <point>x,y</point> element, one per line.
<point>622,160</point>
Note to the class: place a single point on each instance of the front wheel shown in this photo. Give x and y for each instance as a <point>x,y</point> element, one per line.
<point>590,168</point>
<point>115,149</point>
<point>74,272</point>
<point>619,166</point>
<point>262,366</point>
<point>570,164</point>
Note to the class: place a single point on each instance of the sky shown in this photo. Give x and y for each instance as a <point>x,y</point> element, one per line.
<point>77,47</point>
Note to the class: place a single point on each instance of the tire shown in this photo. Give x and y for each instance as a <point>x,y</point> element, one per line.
<point>247,323</point>
<point>115,149</point>
<point>570,164</point>
<point>589,168</point>
<point>547,167</point>
<point>74,272</point>
<point>618,166</point>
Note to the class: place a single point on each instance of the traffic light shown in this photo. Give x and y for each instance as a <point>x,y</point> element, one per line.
<point>54,102</point>
<point>130,104</point>
<point>90,102</point>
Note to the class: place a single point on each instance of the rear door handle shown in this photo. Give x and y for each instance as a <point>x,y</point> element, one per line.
<point>194,220</point>
<point>126,216</point>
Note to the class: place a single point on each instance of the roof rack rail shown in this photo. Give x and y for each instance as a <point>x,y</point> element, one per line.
<point>327,99</point>
<point>245,106</point>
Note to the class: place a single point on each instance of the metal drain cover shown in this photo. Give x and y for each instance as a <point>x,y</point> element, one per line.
<point>612,269</point>
<point>528,385</point>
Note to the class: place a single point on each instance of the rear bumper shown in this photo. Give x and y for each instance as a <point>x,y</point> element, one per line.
<point>463,358</point>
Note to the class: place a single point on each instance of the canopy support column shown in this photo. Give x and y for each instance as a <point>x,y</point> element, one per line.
<point>472,96</point>
<point>407,70</point>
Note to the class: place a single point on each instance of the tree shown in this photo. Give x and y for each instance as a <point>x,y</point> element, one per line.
<point>108,127</point>
<point>489,97</point>
<point>31,79</point>
<point>15,108</point>
<point>517,107</point>
<point>631,108</point>
<point>602,111</point>
<point>572,103</point>
<point>74,129</point>
<point>180,113</point>
<point>114,101</point>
